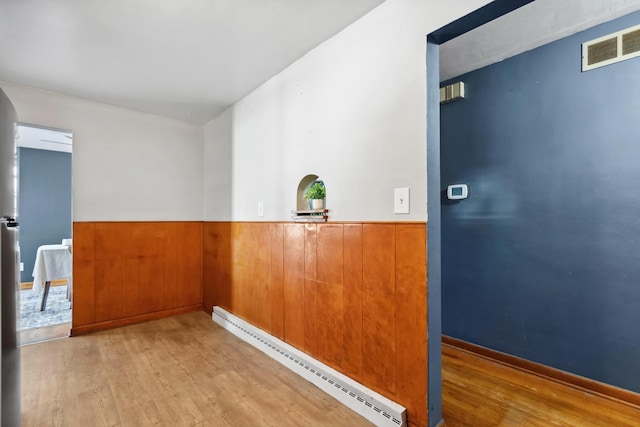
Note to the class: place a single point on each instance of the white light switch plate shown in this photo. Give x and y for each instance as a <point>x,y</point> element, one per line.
<point>401,200</point>
<point>260,208</point>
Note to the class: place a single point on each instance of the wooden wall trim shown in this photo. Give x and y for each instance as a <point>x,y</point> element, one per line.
<point>117,323</point>
<point>352,295</point>
<point>585,384</point>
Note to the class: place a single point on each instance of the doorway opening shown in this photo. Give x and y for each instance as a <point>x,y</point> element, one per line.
<point>475,19</point>
<point>43,182</point>
<point>463,219</point>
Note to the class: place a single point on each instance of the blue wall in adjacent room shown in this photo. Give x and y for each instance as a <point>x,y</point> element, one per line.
<point>542,261</point>
<point>44,203</point>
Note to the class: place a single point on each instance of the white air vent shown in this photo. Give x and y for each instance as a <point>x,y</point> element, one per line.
<point>371,405</point>
<point>452,92</point>
<point>610,49</point>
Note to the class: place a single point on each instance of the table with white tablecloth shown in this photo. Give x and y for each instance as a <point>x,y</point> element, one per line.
<point>53,262</point>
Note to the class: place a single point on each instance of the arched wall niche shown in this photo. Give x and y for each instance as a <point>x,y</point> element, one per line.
<point>306,182</point>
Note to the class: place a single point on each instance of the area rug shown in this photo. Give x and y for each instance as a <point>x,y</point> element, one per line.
<point>58,308</point>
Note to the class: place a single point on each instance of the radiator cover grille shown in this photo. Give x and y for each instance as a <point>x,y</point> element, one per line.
<point>371,405</point>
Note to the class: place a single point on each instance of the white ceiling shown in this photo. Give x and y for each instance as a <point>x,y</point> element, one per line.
<point>531,26</point>
<point>192,59</point>
<point>186,59</point>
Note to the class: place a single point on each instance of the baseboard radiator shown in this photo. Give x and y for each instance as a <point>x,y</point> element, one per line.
<point>374,407</point>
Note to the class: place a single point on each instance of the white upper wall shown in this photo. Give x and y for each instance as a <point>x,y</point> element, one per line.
<point>127,166</point>
<point>352,111</point>
<point>217,167</point>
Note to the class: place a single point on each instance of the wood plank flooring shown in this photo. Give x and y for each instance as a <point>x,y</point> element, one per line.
<point>179,371</point>
<point>187,371</point>
<point>478,392</point>
<point>33,336</point>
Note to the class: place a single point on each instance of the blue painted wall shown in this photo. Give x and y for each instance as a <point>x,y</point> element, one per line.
<point>542,261</point>
<point>44,202</point>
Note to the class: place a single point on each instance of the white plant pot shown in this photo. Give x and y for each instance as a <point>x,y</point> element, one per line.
<point>317,203</point>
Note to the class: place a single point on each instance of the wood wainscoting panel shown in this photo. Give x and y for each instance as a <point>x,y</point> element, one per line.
<point>171,252</point>
<point>188,262</point>
<point>109,282</point>
<point>210,269</point>
<point>277,280</point>
<point>129,251</point>
<point>294,285</point>
<point>128,271</point>
<point>310,290</point>
<point>330,248</point>
<point>351,295</point>
<point>379,307</point>
<point>84,260</point>
<point>251,263</point>
<point>411,318</point>
<point>216,289</point>
<point>239,266</point>
<point>352,302</point>
<point>148,261</point>
<point>261,275</point>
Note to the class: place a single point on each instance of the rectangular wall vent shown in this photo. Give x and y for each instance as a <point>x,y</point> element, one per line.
<point>371,405</point>
<point>452,92</point>
<point>631,42</point>
<point>611,48</point>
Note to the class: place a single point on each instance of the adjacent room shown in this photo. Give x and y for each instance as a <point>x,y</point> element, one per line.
<point>539,254</point>
<point>44,209</point>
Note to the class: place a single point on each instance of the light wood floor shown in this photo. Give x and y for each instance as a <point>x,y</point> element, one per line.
<point>478,392</point>
<point>181,371</point>
<point>32,336</point>
<point>187,371</point>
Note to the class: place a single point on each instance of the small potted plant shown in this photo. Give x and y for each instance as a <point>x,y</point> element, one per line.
<point>316,194</point>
